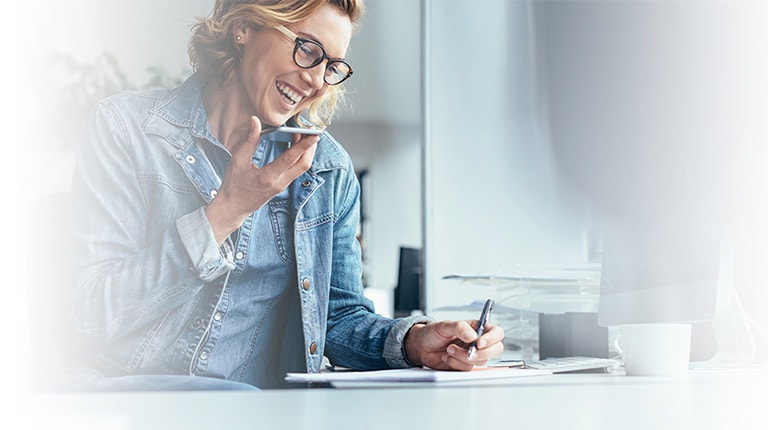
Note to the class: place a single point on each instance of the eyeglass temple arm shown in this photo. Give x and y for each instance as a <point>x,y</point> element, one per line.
<point>285,31</point>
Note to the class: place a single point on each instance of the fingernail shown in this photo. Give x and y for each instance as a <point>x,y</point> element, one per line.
<point>451,350</point>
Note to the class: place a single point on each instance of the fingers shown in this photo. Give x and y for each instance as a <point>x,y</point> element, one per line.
<point>308,145</point>
<point>489,351</point>
<point>465,332</point>
<point>297,159</point>
<point>492,334</point>
<point>455,358</point>
<point>251,141</point>
<point>456,336</point>
<point>452,330</point>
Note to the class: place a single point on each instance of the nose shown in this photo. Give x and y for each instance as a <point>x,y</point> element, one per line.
<point>315,76</point>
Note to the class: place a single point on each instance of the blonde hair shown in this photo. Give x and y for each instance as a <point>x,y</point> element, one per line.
<point>215,56</point>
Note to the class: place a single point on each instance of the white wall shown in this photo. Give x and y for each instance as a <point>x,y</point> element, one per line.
<point>382,132</point>
<point>391,154</point>
<point>495,201</point>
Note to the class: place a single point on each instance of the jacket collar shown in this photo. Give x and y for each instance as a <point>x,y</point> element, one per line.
<point>179,117</point>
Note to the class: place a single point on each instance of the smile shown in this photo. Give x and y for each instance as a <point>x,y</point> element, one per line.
<point>290,96</point>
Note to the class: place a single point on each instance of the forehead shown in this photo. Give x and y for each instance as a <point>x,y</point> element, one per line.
<point>330,26</point>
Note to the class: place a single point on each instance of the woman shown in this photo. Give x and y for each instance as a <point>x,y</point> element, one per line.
<point>211,256</point>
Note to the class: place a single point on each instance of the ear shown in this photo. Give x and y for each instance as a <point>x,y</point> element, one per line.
<point>239,36</point>
<point>240,31</point>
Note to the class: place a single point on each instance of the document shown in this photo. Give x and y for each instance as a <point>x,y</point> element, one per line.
<point>416,375</point>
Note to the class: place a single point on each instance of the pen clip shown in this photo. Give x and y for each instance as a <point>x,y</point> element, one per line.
<point>484,316</point>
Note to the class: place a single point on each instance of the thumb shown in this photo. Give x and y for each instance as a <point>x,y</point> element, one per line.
<point>252,138</point>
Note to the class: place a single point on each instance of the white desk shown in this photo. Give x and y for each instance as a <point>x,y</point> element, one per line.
<point>729,400</point>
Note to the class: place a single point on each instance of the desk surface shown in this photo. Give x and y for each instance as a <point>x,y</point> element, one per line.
<point>702,400</point>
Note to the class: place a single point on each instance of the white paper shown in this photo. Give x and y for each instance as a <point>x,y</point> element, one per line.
<point>416,374</point>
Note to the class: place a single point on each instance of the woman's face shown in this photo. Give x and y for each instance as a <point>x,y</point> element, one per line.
<point>275,87</point>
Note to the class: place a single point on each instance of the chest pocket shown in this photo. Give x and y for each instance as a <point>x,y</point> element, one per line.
<point>282,228</point>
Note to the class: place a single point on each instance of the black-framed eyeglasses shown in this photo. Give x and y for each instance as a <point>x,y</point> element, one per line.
<point>308,54</point>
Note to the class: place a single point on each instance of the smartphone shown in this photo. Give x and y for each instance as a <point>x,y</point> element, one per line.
<point>285,134</point>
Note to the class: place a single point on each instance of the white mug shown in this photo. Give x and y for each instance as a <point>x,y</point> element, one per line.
<point>659,349</point>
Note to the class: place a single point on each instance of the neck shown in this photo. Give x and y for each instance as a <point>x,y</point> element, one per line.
<point>228,118</point>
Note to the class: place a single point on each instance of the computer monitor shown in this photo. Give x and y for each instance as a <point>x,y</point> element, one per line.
<point>661,270</point>
<point>654,111</point>
<point>408,291</point>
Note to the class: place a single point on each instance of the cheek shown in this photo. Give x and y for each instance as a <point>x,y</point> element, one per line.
<point>250,73</point>
<point>317,96</point>
<point>255,70</point>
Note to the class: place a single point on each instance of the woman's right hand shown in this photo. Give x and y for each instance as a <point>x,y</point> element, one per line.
<point>245,187</point>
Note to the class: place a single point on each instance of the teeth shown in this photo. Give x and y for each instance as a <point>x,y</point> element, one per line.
<point>286,92</point>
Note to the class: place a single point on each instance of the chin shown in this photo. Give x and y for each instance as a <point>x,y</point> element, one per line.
<point>276,120</point>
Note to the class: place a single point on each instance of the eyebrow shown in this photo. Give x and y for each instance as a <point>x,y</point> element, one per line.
<point>314,38</point>
<point>311,37</point>
<point>307,36</point>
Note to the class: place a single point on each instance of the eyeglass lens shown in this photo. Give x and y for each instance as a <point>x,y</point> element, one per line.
<point>309,54</point>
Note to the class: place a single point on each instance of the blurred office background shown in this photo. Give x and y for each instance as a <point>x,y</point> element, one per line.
<point>546,122</point>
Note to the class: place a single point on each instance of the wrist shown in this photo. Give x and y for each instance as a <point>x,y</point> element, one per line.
<point>411,350</point>
<point>221,224</point>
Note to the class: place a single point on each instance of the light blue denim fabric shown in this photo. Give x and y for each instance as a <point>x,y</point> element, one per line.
<point>163,383</point>
<point>150,277</point>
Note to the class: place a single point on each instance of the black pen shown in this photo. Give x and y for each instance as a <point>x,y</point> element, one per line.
<point>484,315</point>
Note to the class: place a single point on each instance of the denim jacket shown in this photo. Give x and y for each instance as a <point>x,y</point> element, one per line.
<point>149,273</point>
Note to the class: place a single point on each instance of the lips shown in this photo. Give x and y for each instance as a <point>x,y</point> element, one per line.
<point>290,96</point>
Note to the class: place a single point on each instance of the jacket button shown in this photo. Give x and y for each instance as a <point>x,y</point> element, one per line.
<point>312,348</point>
<point>306,183</point>
<point>305,284</point>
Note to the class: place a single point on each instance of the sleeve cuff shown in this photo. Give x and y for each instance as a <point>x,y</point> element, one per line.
<point>394,352</point>
<point>209,260</point>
